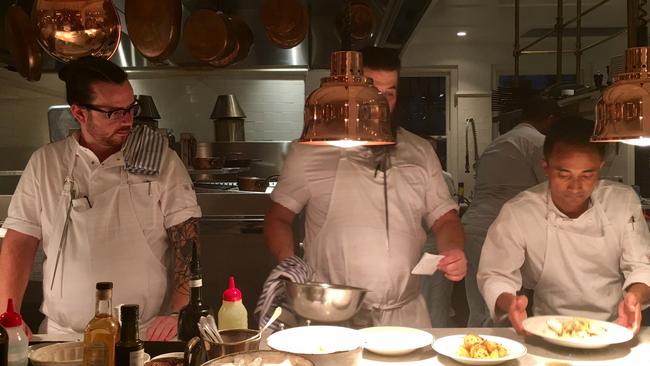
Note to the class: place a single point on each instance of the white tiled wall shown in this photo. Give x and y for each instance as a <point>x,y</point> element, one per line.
<point>273,105</point>
<point>274,108</point>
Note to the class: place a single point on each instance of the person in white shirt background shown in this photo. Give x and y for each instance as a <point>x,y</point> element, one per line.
<point>346,238</point>
<point>77,198</point>
<point>508,165</point>
<point>580,243</point>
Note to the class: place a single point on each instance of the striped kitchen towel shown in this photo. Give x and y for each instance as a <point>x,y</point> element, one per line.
<point>143,151</point>
<point>291,269</point>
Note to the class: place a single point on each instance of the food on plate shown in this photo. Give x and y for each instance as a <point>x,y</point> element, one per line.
<point>475,346</point>
<point>166,361</point>
<point>575,328</point>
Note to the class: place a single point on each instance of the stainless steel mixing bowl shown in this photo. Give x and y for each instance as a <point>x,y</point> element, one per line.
<point>324,302</point>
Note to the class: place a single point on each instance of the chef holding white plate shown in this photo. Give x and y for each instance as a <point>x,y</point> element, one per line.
<point>580,243</point>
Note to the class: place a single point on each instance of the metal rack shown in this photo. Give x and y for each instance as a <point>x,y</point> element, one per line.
<point>558,30</point>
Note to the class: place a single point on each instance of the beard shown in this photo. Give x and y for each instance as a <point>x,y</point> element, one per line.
<point>112,139</point>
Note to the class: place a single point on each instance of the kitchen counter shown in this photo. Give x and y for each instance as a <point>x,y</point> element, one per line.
<point>540,353</point>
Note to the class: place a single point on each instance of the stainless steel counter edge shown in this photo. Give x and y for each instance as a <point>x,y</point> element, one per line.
<point>212,204</point>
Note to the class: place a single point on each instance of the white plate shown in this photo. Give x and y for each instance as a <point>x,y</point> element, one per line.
<point>449,346</point>
<point>393,341</point>
<point>614,333</point>
<point>315,340</point>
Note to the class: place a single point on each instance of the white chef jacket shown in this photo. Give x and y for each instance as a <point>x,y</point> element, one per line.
<point>508,166</point>
<point>37,196</point>
<point>308,174</point>
<point>338,188</point>
<point>515,246</point>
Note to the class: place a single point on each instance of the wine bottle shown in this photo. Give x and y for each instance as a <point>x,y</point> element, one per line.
<point>129,351</point>
<point>190,314</point>
<point>4,346</point>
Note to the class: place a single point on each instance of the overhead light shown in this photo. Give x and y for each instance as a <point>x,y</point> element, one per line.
<point>461,34</point>
<point>623,111</point>
<point>347,110</point>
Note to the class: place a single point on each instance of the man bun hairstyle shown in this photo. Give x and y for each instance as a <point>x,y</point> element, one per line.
<point>80,74</point>
<point>381,58</point>
<point>574,131</point>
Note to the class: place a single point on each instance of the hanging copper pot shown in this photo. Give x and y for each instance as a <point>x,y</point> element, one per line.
<point>286,22</point>
<point>244,36</point>
<point>360,20</point>
<point>21,41</point>
<point>154,26</point>
<point>208,36</point>
<point>71,29</point>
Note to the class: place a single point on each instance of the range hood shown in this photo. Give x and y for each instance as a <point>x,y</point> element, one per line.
<point>395,22</point>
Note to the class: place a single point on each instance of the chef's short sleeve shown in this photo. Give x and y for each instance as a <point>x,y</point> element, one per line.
<point>292,191</point>
<point>438,200</point>
<point>635,258</point>
<point>177,198</point>
<point>25,208</point>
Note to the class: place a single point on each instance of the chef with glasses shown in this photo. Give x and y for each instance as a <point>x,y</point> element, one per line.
<point>102,212</point>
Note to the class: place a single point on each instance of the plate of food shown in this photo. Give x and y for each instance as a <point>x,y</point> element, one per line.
<point>394,341</point>
<point>478,349</point>
<point>577,332</point>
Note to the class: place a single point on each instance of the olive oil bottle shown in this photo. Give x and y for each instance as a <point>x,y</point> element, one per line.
<point>102,331</point>
<point>129,350</point>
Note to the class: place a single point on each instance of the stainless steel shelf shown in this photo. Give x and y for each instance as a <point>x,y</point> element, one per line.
<point>217,171</point>
<point>11,172</point>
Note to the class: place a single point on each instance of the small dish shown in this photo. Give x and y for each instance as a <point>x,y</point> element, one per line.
<point>449,346</point>
<point>394,341</point>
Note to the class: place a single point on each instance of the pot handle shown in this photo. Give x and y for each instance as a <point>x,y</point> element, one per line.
<point>192,352</point>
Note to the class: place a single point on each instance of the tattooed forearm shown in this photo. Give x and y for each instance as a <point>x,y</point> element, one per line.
<point>181,237</point>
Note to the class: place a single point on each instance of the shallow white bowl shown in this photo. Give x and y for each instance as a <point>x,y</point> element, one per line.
<point>448,346</point>
<point>322,344</point>
<point>394,341</point>
<point>58,354</point>
<point>615,333</point>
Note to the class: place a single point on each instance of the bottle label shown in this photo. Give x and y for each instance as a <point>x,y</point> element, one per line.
<point>196,283</point>
<point>96,354</point>
<point>136,358</point>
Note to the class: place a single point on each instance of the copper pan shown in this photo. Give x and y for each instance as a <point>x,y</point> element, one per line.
<point>154,26</point>
<point>68,30</point>
<point>359,16</point>
<point>208,36</point>
<point>21,40</point>
<point>244,37</point>
<point>286,22</point>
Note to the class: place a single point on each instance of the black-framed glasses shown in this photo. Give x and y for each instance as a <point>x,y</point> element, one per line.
<point>116,113</point>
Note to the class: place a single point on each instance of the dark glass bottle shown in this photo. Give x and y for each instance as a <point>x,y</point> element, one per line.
<point>4,346</point>
<point>191,313</point>
<point>129,351</point>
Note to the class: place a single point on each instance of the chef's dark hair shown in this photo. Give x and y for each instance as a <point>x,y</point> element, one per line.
<point>80,74</point>
<point>574,131</point>
<point>538,107</point>
<point>381,58</point>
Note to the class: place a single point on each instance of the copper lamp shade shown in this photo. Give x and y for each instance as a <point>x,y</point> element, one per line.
<point>71,29</point>
<point>623,111</point>
<point>347,110</point>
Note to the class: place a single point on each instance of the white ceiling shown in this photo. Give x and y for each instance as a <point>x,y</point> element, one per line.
<point>492,21</point>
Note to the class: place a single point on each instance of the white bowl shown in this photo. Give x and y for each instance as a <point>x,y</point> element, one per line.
<point>322,344</point>
<point>58,354</point>
<point>449,346</point>
<point>395,341</point>
<point>614,333</point>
